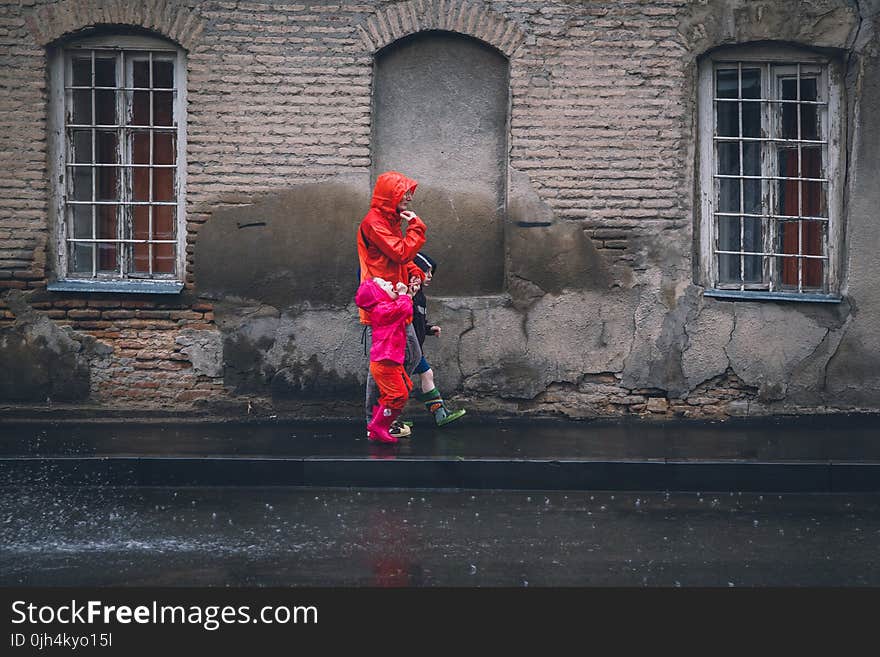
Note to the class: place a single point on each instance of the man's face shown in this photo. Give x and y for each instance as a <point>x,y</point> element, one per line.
<point>404,202</point>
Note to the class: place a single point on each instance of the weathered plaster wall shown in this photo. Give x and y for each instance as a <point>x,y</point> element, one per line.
<point>599,312</point>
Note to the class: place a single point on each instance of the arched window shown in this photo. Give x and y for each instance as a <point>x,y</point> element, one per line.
<point>440,105</point>
<point>118,112</point>
<point>771,174</point>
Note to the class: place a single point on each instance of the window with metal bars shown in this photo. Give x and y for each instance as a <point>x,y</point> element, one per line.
<point>769,170</point>
<point>120,115</point>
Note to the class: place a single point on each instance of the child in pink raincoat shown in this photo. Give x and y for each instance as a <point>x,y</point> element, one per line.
<point>389,312</point>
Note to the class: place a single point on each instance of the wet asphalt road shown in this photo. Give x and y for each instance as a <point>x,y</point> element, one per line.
<point>220,536</point>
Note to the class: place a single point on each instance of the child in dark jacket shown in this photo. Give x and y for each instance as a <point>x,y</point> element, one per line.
<point>430,396</point>
<point>389,311</point>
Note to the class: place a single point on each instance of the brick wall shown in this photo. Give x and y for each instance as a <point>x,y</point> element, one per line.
<point>279,94</point>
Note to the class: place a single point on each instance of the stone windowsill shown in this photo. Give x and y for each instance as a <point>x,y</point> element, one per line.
<point>749,295</point>
<point>122,287</point>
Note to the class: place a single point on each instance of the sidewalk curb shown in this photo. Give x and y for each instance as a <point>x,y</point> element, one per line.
<point>387,471</point>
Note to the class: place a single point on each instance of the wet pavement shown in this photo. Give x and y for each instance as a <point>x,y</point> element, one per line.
<point>280,536</point>
<point>839,453</point>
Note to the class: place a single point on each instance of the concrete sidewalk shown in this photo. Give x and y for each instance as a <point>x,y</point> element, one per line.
<point>839,453</point>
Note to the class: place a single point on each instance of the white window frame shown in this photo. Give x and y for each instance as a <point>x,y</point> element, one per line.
<point>126,280</point>
<point>831,125</point>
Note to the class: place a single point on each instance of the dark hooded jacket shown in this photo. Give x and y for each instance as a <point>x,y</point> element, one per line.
<point>420,302</point>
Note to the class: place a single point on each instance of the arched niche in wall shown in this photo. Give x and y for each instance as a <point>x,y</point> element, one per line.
<point>440,104</point>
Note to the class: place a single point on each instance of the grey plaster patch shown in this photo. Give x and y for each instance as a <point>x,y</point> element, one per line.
<point>818,23</point>
<point>580,333</point>
<point>288,247</point>
<point>545,255</point>
<point>296,353</point>
<point>40,361</point>
<point>440,116</point>
<point>204,349</point>
<point>768,342</point>
<point>707,335</point>
<point>493,355</point>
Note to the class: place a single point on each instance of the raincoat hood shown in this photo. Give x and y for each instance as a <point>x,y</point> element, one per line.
<point>369,295</point>
<point>389,190</point>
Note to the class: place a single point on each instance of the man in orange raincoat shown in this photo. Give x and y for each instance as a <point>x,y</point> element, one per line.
<point>384,251</point>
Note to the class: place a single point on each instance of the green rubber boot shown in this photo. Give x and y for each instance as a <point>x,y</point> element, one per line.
<point>437,407</point>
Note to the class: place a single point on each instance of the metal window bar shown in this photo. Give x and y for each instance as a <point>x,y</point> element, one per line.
<point>742,193</point>
<point>800,184</point>
<point>772,254</point>
<point>94,172</point>
<point>784,217</point>
<point>123,203</point>
<point>150,174</point>
<point>124,240</point>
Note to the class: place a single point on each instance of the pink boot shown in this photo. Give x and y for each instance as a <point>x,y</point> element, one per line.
<point>381,422</point>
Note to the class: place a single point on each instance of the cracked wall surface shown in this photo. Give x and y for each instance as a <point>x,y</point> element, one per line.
<point>569,278</point>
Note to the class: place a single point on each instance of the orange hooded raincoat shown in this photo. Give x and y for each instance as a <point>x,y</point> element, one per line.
<point>383,251</point>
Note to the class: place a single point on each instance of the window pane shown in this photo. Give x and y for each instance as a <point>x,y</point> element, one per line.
<point>140,148</point>
<point>812,238</point>
<point>164,255</point>
<point>751,158</point>
<point>163,75</point>
<point>82,146</point>
<point>141,72</point>
<point>140,253</point>
<point>107,225</point>
<point>106,146</point>
<point>163,258</point>
<point>163,108</point>
<point>751,83</point>
<point>107,179</point>
<point>726,83</point>
<point>163,222</point>
<point>728,158</point>
<point>788,190</point>
<point>140,108</point>
<point>809,88</point>
<point>140,178</point>
<point>82,222</point>
<point>164,148</point>
<point>105,107</point>
<point>728,240</point>
<point>82,71</point>
<point>815,202</point>
<point>728,195</point>
<point>82,183</point>
<point>107,261</point>
<point>105,72</point>
<point>751,119</point>
<point>80,257</point>
<point>789,88</point>
<point>809,113</point>
<point>752,197</point>
<point>727,119</point>
<point>82,107</point>
<point>163,185</point>
<point>788,243</point>
<point>753,241</point>
<point>107,222</point>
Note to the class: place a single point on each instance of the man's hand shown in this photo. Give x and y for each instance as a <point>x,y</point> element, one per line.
<point>435,330</point>
<point>408,215</point>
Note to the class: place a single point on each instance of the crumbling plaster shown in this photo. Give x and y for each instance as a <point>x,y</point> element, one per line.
<point>281,271</point>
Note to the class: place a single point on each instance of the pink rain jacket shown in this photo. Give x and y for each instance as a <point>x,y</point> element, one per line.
<point>388,317</point>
